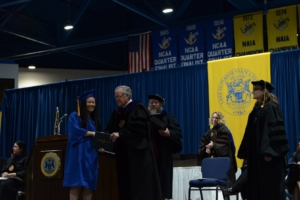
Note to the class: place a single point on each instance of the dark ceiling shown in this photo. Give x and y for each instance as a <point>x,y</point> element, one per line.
<point>32,30</point>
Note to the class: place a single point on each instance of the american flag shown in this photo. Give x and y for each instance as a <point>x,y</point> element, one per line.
<point>139,57</point>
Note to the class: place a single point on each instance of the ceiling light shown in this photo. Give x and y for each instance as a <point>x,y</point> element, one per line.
<point>68,26</point>
<point>167,10</point>
<point>31,67</point>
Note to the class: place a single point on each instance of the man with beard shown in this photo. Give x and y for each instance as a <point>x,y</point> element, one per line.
<point>167,142</point>
<point>129,127</point>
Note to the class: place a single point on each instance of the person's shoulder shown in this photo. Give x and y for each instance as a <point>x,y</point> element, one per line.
<point>272,104</point>
<point>74,114</point>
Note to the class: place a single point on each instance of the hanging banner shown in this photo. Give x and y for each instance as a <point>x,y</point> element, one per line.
<point>230,89</point>
<point>299,14</point>
<point>248,34</point>
<point>191,44</point>
<point>282,29</point>
<point>164,43</point>
<point>219,39</point>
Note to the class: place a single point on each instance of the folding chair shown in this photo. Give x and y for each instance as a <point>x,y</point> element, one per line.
<point>214,174</point>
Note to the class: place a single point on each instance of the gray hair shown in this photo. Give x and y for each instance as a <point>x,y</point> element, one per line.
<point>125,90</point>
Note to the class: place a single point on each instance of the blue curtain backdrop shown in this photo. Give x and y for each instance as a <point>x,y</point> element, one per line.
<point>285,74</point>
<point>29,113</point>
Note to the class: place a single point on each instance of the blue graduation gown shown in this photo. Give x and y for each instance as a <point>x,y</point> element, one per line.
<point>81,164</point>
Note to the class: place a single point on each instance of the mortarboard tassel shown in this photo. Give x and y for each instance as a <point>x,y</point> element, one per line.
<point>263,104</point>
<point>78,107</point>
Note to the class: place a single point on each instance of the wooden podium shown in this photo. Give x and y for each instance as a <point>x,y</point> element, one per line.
<point>39,185</point>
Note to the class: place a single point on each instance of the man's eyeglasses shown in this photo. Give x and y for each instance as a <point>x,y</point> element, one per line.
<point>118,97</point>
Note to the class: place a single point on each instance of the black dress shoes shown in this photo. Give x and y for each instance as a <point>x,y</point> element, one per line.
<point>231,191</point>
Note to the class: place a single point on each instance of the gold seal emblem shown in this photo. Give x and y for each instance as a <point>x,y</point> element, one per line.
<point>122,123</point>
<point>50,164</point>
<point>11,168</point>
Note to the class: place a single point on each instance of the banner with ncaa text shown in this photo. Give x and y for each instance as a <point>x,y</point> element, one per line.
<point>191,44</point>
<point>282,28</point>
<point>248,34</point>
<point>164,44</point>
<point>219,39</point>
<point>230,89</point>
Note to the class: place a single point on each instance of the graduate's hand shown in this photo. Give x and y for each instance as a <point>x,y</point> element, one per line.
<point>267,159</point>
<point>210,145</point>
<point>165,133</point>
<point>208,151</point>
<point>101,150</point>
<point>114,136</point>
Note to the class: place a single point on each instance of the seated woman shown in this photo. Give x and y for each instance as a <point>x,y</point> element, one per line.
<point>293,183</point>
<point>13,170</point>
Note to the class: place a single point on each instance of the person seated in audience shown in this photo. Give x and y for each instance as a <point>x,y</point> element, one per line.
<point>2,161</point>
<point>12,172</point>
<point>293,182</point>
<point>218,142</point>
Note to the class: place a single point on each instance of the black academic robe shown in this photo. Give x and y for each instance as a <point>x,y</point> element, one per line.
<point>293,172</point>
<point>166,146</point>
<point>222,147</point>
<point>9,187</point>
<point>135,161</point>
<point>265,136</point>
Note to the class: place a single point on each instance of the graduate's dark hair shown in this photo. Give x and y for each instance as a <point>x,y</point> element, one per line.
<point>94,115</point>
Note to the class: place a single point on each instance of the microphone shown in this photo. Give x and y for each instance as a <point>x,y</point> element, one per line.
<point>63,117</point>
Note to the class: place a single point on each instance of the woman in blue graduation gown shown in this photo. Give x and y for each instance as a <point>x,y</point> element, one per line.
<point>81,166</point>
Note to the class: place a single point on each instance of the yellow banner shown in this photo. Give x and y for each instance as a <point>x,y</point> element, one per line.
<point>282,29</point>
<point>299,15</point>
<point>230,89</point>
<point>0,120</point>
<point>248,34</point>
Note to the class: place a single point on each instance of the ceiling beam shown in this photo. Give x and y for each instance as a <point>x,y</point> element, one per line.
<point>182,9</point>
<point>12,13</point>
<point>65,48</point>
<point>11,3</point>
<point>22,35</point>
<point>78,16</point>
<point>243,4</point>
<point>158,14</point>
<point>140,12</point>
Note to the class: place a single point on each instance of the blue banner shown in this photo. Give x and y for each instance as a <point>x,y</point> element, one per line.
<point>164,49</point>
<point>219,39</point>
<point>191,42</point>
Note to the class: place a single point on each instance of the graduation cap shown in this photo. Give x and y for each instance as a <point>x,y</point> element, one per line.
<point>157,97</point>
<point>83,97</point>
<point>264,85</point>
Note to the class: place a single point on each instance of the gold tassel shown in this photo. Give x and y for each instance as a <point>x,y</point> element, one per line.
<point>263,104</point>
<point>78,107</point>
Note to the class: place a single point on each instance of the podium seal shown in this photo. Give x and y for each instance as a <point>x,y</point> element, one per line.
<point>50,164</point>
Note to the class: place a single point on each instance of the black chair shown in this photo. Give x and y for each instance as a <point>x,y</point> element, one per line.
<point>214,174</point>
<point>288,193</point>
<point>21,193</point>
